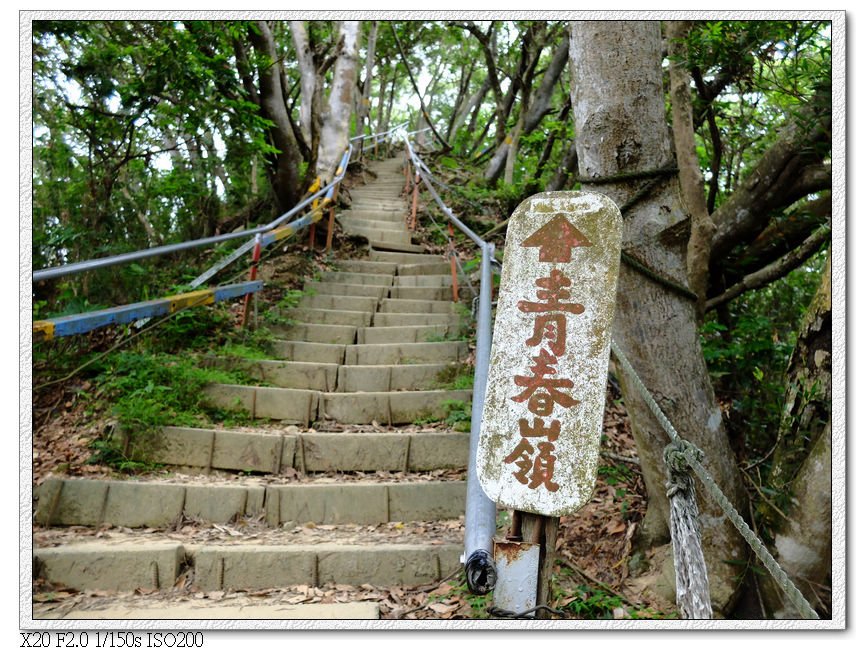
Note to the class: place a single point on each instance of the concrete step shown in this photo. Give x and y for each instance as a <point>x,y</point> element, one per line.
<point>328,316</point>
<point>375,279</point>
<point>287,404</point>
<point>382,319</point>
<point>405,306</point>
<point>427,268</point>
<point>421,293</point>
<point>379,205</point>
<point>422,280</point>
<point>389,408</point>
<point>162,608</point>
<point>340,303</point>
<point>382,354</point>
<point>305,375</point>
<point>137,564</point>
<point>309,352</point>
<point>387,236</point>
<point>403,334</point>
<point>390,216</point>
<point>303,407</point>
<point>383,378</point>
<point>315,333</point>
<point>365,266</point>
<point>159,504</point>
<point>398,248</point>
<point>198,451</point>
<point>345,289</point>
<point>349,222</point>
<point>404,258</point>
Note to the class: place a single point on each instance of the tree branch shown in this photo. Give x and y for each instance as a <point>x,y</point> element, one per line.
<point>778,269</point>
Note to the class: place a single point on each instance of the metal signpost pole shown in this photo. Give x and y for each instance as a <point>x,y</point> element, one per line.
<point>544,406</point>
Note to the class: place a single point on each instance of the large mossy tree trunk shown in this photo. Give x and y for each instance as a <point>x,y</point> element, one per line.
<point>619,116</point>
<point>801,473</point>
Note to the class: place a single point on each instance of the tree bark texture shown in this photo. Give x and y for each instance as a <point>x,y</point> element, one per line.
<point>617,95</point>
<point>535,113</point>
<point>340,102</point>
<point>690,176</point>
<point>284,165</point>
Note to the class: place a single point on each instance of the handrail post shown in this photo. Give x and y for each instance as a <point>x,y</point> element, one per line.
<point>253,273</point>
<point>453,253</point>
<point>413,224</point>
<point>480,510</point>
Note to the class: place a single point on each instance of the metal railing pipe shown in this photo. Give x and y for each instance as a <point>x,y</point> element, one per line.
<point>125,258</point>
<point>480,509</point>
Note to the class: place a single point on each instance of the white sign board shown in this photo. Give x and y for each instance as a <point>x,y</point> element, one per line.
<point>544,406</point>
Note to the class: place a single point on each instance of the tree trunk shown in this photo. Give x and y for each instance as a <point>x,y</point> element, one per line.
<point>468,107</point>
<point>335,122</point>
<point>283,166</point>
<point>690,176</point>
<point>619,116</point>
<point>803,545</point>
<point>539,107</point>
<point>363,106</point>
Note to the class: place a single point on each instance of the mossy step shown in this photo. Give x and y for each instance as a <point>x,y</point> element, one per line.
<point>305,406</point>
<point>422,280</point>
<point>366,266</point>
<point>383,378</point>
<point>366,304</point>
<point>399,248</point>
<point>349,221</point>
<point>197,451</point>
<point>345,289</point>
<point>404,353</point>
<point>406,306</point>
<point>405,258</point>
<point>309,352</point>
<point>314,333</point>
<point>375,279</point>
<point>159,504</point>
<point>379,235</point>
<point>145,565</point>
<point>404,334</point>
<point>328,316</point>
<point>382,319</point>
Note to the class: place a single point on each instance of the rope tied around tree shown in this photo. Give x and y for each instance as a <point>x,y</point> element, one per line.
<point>687,453</point>
<point>692,580</point>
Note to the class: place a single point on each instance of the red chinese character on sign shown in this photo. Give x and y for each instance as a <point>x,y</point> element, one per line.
<point>540,391</point>
<point>536,471</point>
<point>553,292</point>
<point>552,328</point>
<point>537,429</point>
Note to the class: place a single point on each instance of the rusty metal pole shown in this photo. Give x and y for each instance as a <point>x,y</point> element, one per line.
<point>329,229</point>
<point>454,288</point>
<point>413,222</point>
<point>253,272</point>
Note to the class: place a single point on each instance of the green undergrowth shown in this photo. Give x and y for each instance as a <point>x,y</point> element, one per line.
<point>456,377</point>
<point>584,601</point>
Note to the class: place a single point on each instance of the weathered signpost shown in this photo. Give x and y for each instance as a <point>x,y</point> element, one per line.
<point>544,405</point>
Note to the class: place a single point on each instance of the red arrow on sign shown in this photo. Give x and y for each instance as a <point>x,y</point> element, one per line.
<point>555,239</point>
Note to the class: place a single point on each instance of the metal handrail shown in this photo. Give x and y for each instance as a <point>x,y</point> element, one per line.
<point>124,258</point>
<point>480,509</point>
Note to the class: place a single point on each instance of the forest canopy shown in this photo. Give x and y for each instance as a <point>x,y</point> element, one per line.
<point>152,132</point>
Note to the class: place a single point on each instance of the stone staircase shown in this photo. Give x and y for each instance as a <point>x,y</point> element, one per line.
<point>293,504</point>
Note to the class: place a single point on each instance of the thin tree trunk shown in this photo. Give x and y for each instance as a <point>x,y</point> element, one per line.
<point>282,166</point>
<point>335,122</point>
<point>539,107</point>
<point>690,177</point>
<point>363,106</point>
<point>619,118</point>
